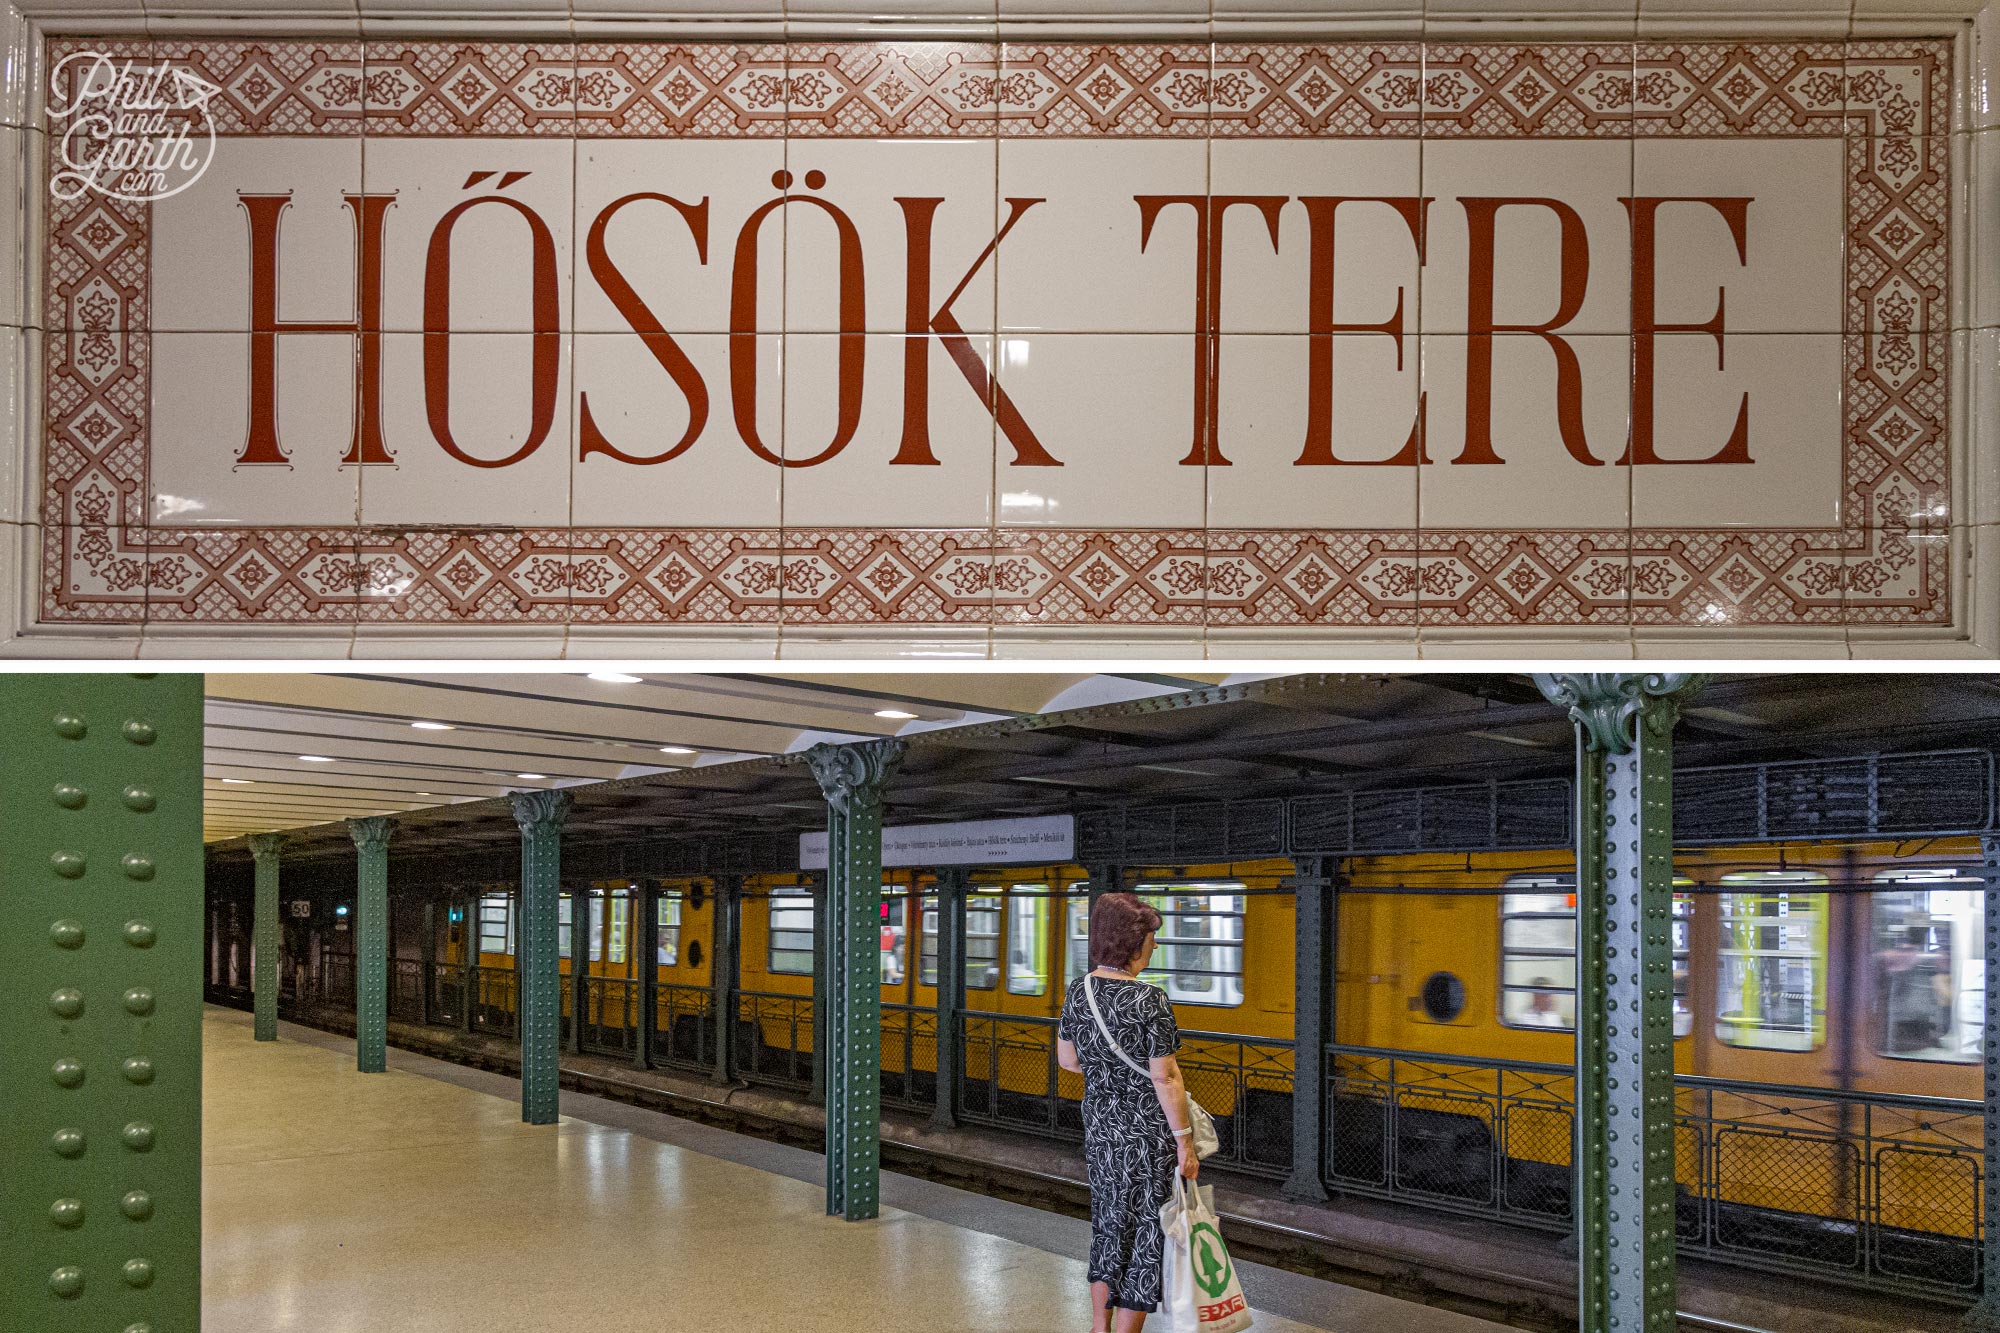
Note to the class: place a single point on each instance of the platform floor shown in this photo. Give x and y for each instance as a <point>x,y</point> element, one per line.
<point>416,1200</point>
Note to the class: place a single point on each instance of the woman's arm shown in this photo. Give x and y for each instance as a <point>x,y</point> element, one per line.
<point>1172,1092</point>
<point>1066,1055</point>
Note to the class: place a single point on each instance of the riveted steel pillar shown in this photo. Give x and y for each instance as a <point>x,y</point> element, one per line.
<point>579,964</point>
<point>1624,1153</point>
<point>950,992</point>
<point>266,934</point>
<point>427,965</point>
<point>468,937</point>
<point>540,815</point>
<point>1312,1028</point>
<point>725,961</point>
<point>100,1002</point>
<point>371,941</point>
<point>852,778</point>
<point>1105,877</point>
<point>646,970</point>
<point>1984,1316</point>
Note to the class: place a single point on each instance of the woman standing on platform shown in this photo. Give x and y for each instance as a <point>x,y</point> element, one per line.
<point>1135,1130</point>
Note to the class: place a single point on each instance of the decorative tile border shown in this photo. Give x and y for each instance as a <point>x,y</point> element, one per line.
<point>1886,566</point>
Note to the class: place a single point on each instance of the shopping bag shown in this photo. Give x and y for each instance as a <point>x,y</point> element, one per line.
<point>1200,1293</point>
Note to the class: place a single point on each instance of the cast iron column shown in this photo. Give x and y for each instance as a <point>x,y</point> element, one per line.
<point>371,942</point>
<point>468,939</point>
<point>100,1002</point>
<point>540,815</point>
<point>723,963</point>
<point>646,970</point>
<point>579,964</point>
<point>1984,1316</point>
<point>266,934</point>
<point>852,777</point>
<point>427,964</point>
<point>1624,1154</point>
<point>950,991</point>
<point>1105,877</point>
<point>1312,1028</point>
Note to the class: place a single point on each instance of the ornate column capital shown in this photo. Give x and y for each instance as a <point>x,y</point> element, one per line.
<point>264,846</point>
<point>540,813</point>
<point>1607,706</point>
<point>372,833</point>
<point>845,771</point>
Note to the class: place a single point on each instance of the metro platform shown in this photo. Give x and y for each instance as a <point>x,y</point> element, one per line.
<point>338,1202</point>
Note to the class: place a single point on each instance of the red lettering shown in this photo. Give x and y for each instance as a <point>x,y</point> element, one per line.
<point>651,332</point>
<point>1321,326</point>
<point>1644,211</point>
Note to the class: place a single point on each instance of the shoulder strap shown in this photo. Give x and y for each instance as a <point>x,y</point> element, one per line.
<point>1091,995</point>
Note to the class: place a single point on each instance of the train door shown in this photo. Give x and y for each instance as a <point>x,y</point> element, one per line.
<point>684,1015</point>
<point>610,973</point>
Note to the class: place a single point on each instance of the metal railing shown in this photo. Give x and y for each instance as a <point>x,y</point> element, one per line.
<point>448,993</point>
<point>493,1001</point>
<point>777,1038</point>
<point>684,1026</point>
<point>334,981</point>
<point>909,1056</point>
<point>406,990</point>
<point>611,1016</point>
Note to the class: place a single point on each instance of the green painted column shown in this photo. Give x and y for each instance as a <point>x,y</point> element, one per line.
<point>1624,1155</point>
<point>266,933</point>
<point>950,993</point>
<point>371,941</point>
<point>852,778</point>
<point>101,989</point>
<point>1312,1029</point>
<point>725,963</point>
<point>540,815</point>
<point>1984,1316</point>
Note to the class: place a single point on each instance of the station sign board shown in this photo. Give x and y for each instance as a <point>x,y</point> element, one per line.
<point>1039,839</point>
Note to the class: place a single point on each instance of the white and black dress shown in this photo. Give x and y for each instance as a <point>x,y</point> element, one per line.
<point>1127,1143</point>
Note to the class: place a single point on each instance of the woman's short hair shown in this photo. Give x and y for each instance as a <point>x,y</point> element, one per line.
<point>1119,924</point>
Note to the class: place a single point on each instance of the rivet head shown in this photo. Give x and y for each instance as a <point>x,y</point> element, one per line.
<point>66,1003</point>
<point>136,866</point>
<point>68,795</point>
<point>137,1205</point>
<point>67,933</point>
<point>138,1272</point>
<point>137,1069</point>
<point>140,799</point>
<point>141,1327</point>
<point>138,1136</point>
<point>69,865</point>
<point>139,1001</point>
<point>66,1143</point>
<point>139,935</point>
<point>67,1072</point>
<point>67,1212</point>
<point>138,731</point>
<point>67,1281</point>
<point>70,727</point>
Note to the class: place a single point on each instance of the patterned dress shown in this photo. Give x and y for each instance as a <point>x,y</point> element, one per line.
<point>1127,1143</point>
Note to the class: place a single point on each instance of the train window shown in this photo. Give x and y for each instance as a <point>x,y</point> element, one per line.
<point>1683,930</point>
<point>1771,968</point>
<point>1076,947</point>
<point>1199,958</point>
<point>1930,967</point>
<point>563,902</point>
<point>610,914</point>
<point>1027,940</point>
<point>895,932</point>
<point>927,943</point>
<point>1538,952</point>
<point>667,910</point>
<point>496,924</point>
<point>982,941</point>
<point>793,923</point>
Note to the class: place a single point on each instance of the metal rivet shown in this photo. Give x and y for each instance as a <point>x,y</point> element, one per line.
<point>139,731</point>
<point>140,799</point>
<point>138,1136</point>
<point>138,1272</point>
<point>137,1205</point>
<point>70,727</point>
<point>67,1143</point>
<point>70,865</point>
<point>139,935</point>
<point>67,1072</point>
<point>137,1069</point>
<point>141,1327</point>
<point>67,1002</point>
<point>139,1001</point>
<point>67,1281</point>
<point>67,933</point>
<point>136,866</point>
<point>67,1212</point>
<point>69,796</point>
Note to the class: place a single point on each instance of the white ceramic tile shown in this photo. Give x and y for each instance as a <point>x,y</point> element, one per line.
<point>20,69</point>
<point>1309,427</point>
<point>203,270</point>
<point>681,263</point>
<point>1789,388</point>
<point>1983,264</point>
<point>1983,81</point>
<point>1539,418</point>
<point>855,406</point>
<point>1075,262</point>
<point>628,642</point>
<point>501,257</point>
<point>1790,276</point>
<point>926,643</point>
<point>1533,274</point>
<point>203,408</point>
<point>527,643</point>
<point>1981,406</point>
<point>1581,643</point>
<point>15,144</point>
<point>1912,168</point>
<point>1106,644</point>
<point>1225,644</point>
<point>1749,644</point>
<point>20,399</point>
<point>1116,412</point>
<point>496,405</point>
<point>849,238</point>
<point>1347,262</point>
<point>640,410</point>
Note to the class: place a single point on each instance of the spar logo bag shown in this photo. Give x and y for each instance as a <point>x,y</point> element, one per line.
<point>1200,1292</point>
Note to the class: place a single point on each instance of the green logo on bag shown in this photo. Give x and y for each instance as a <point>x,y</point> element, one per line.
<point>1211,1259</point>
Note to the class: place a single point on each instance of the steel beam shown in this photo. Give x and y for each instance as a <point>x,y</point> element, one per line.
<point>724,962</point>
<point>1623,1169</point>
<point>951,991</point>
<point>852,778</point>
<point>540,815</point>
<point>1318,905</point>
<point>266,934</point>
<point>371,942</point>
<point>1984,1316</point>
<point>100,1002</point>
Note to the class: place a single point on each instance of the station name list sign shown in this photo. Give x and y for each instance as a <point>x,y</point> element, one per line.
<point>972,842</point>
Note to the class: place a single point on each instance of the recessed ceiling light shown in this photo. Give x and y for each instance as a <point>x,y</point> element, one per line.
<point>433,726</point>
<point>238,782</point>
<point>315,759</point>
<point>614,678</point>
<point>675,749</point>
<point>532,777</point>
<point>894,714</point>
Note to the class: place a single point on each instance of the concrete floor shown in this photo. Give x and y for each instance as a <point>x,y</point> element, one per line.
<point>416,1200</point>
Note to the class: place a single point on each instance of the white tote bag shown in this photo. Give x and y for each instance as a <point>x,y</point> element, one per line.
<point>1200,1122</point>
<point>1199,1291</point>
